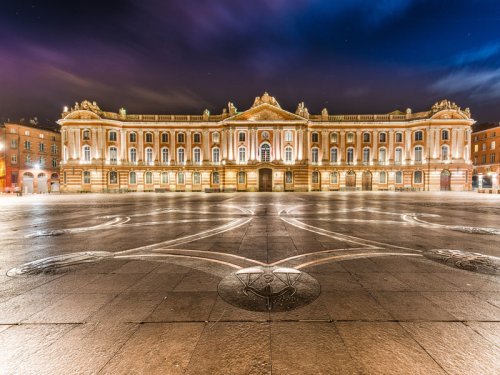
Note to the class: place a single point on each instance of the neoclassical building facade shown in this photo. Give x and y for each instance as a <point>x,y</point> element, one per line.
<point>265,148</point>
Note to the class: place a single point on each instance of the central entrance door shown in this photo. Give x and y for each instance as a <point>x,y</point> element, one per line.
<point>366,180</point>
<point>265,179</point>
<point>445,180</point>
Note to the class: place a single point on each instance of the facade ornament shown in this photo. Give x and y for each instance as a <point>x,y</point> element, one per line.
<point>206,114</point>
<point>123,112</point>
<point>302,110</point>
<point>86,105</point>
<point>324,114</point>
<point>444,104</point>
<point>232,109</point>
<point>265,99</point>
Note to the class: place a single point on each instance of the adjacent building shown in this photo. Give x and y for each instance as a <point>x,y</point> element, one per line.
<point>30,158</point>
<point>266,148</point>
<point>486,156</point>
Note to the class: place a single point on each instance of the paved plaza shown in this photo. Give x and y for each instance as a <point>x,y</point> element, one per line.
<point>250,283</point>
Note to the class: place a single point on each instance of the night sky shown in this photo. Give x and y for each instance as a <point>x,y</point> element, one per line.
<point>160,56</point>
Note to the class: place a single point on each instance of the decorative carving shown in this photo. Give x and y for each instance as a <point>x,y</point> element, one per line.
<point>475,262</point>
<point>206,114</point>
<point>302,110</point>
<point>324,113</point>
<point>232,109</point>
<point>444,104</point>
<point>265,99</point>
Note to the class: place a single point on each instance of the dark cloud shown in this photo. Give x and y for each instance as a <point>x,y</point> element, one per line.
<point>185,55</point>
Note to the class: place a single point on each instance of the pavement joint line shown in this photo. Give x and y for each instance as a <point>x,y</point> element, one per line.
<point>267,320</point>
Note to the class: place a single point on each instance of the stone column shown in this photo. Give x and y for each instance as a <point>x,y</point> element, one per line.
<point>123,145</point>
<point>375,147</point>
<point>391,146</point>
<point>223,140</point>
<point>206,138</point>
<point>408,151</point>
<point>358,155</point>
<point>454,144</point>
<point>277,136</point>
<point>342,152</point>
<point>172,156</point>
<point>93,139</point>
<point>230,154</point>
<point>324,147</point>
<point>140,151</point>
<point>78,145</point>
<point>300,151</point>
<point>156,145</point>
<point>188,151</point>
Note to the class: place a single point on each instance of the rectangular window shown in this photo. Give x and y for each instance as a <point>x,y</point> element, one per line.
<point>288,136</point>
<point>315,137</point>
<point>492,145</point>
<point>13,143</point>
<point>180,138</point>
<point>399,137</point>
<point>242,155</point>
<point>164,137</point>
<point>112,136</point>
<point>382,137</point>
<point>476,148</point>
<point>27,145</point>
<point>399,177</point>
<point>53,148</point>
<point>54,163</point>
<point>492,158</point>
<point>483,159</point>
<point>196,138</point>
<point>241,137</point>
<point>86,177</point>
<point>13,159</point>
<point>41,147</point>
<point>483,147</point>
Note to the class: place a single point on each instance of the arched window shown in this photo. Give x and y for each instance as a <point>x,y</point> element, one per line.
<point>418,154</point>
<point>113,177</point>
<point>196,138</point>
<point>215,137</point>
<point>86,177</point>
<point>133,155</point>
<point>314,137</point>
<point>196,178</point>
<point>445,135</point>
<point>398,155</point>
<point>113,155</point>
<point>288,177</point>
<point>350,137</point>
<point>382,177</point>
<point>382,156</point>
<point>215,178</point>
<point>164,155</point>
<point>314,155</point>
<point>149,155</point>
<point>148,176</point>
<point>164,178</point>
<point>417,177</point>
<point>315,177</point>
<point>86,153</point>
<point>242,158</point>
<point>164,137</point>
<point>132,178</point>
<point>242,177</point>
<point>215,155</point>
<point>197,155</point>
<point>445,153</point>
<point>419,135</point>
<point>399,137</point>
<point>288,154</point>
<point>148,138</point>
<point>334,178</point>
<point>350,155</point>
<point>382,137</point>
<point>180,155</point>
<point>180,178</point>
<point>366,137</point>
<point>334,154</point>
<point>288,136</point>
<point>241,137</point>
<point>132,137</point>
<point>366,156</point>
<point>399,177</point>
<point>334,137</point>
<point>265,153</point>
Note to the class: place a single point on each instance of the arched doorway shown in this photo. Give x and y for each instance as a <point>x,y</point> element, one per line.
<point>28,179</point>
<point>265,179</point>
<point>54,183</point>
<point>42,183</point>
<point>445,180</point>
<point>350,180</point>
<point>366,180</point>
<point>316,181</point>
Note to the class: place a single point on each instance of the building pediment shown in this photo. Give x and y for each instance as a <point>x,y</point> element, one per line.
<point>266,112</point>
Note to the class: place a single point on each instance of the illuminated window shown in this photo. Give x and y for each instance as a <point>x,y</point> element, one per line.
<point>288,177</point>
<point>334,178</point>
<point>149,155</point>
<point>86,177</point>
<point>215,178</point>
<point>418,154</point>
<point>350,155</point>
<point>164,155</point>
<point>180,155</point>
<point>382,137</point>
<point>196,178</point>
<point>398,155</point>
<point>133,155</point>
<point>288,136</point>
<point>334,137</point>
<point>86,153</point>
<point>148,178</point>
<point>148,137</point>
<point>113,177</point>
<point>350,137</point>
<point>315,177</point>
<point>164,177</point>
<point>242,155</point>
<point>180,178</point>
<point>288,155</point>
<point>366,156</point>
<point>366,137</point>
<point>197,155</point>
<point>215,137</point>
<point>132,137</point>
<point>314,154</point>
<point>334,153</point>
<point>399,137</point>
<point>242,177</point>
<point>399,177</point>
<point>382,177</point>
<point>417,177</point>
<point>265,153</point>
<point>132,178</point>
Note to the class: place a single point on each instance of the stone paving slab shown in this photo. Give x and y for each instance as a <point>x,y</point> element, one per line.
<point>151,303</point>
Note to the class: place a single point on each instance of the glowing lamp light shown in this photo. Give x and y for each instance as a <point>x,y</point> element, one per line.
<point>65,108</point>
<point>37,166</point>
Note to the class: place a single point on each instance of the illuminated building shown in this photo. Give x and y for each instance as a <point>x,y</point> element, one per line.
<point>30,159</point>
<point>266,148</point>
<point>486,156</point>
